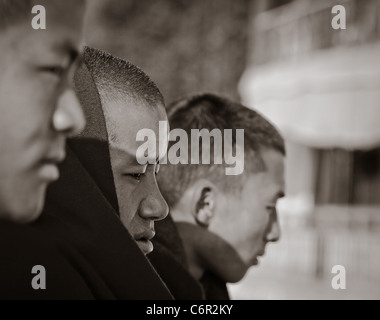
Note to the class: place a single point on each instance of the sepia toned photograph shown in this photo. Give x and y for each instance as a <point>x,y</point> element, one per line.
<point>212,152</point>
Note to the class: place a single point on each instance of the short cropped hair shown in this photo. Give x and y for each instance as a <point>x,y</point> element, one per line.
<point>118,80</point>
<point>115,78</point>
<point>209,111</point>
<point>14,11</point>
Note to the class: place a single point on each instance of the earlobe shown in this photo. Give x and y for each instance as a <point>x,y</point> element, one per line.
<point>204,217</point>
<point>204,211</point>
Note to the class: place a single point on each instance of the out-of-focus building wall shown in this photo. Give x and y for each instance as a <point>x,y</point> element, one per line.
<point>185,46</point>
<point>320,86</point>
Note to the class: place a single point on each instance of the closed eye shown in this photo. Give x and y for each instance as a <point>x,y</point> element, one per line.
<point>54,70</point>
<point>136,176</point>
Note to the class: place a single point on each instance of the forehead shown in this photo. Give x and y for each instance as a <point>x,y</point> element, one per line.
<point>274,162</point>
<point>62,13</point>
<point>270,181</point>
<point>62,34</point>
<point>126,117</point>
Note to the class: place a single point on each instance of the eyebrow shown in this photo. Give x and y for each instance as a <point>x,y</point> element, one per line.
<point>157,160</point>
<point>278,195</point>
<point>134,163</point>
<point>132,159</point>
<point>136,167</point>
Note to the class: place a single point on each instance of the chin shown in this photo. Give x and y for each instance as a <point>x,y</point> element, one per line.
<point>237,272</point>
<point>28,210</point>
<point>238,276</point>
<point>253,262</point>
<point>27,216</point>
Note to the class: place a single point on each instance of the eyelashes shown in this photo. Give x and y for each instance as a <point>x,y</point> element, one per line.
<point>139,176</point>
<point>54,70</point>
<point>136,176</point>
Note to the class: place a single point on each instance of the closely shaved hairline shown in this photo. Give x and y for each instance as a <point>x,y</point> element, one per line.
<point>118,80</point>
<point>111,127</point>
<point>210,111</point>
<point>115,77</point>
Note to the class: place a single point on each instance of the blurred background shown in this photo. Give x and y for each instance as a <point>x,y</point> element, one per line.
<point>320,86</point>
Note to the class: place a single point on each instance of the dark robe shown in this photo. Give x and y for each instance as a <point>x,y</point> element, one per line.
<point>219,259</point>
<point>215,288</point>
<point>22,248</point>
<point>81,213</point>
<point>169,259</point>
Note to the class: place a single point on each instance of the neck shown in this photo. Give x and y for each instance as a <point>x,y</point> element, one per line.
<point>205,250</point>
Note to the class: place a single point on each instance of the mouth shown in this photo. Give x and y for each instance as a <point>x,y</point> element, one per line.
<point>255,260</point>
<point>48,170</point>
<point>261,253</point>
<point>144,242</point>
<point>56,157</point>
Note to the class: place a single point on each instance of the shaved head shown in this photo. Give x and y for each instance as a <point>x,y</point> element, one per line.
<point>116,78</point>
<point>121,85</point>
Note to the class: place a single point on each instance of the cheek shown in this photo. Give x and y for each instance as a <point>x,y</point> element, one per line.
<point>30,106</point>
<point>128,203</point>
<point>24,200</point>
<point>250,228</point>
<point>129,215</point>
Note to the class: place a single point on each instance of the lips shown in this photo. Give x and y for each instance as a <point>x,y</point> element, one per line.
<point>48,167</point>
<point>143,241</point>
<point>55,158</point>
<point>255,260</point>
<point>261,253</point>
<point>48,172</point>
<point>145,235</point>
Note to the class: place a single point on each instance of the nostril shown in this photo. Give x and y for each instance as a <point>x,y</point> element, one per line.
<point>77,117</point>
<point>153,212</point>
<point>80,122</point>
<point>165,210</point>
<point>273,235</point>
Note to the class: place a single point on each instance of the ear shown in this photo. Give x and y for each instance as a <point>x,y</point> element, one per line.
<point>204,203</point>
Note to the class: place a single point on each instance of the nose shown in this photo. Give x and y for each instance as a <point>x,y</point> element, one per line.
<point>154,206</point>
<point>273,232</point>
<point>68,118</point>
